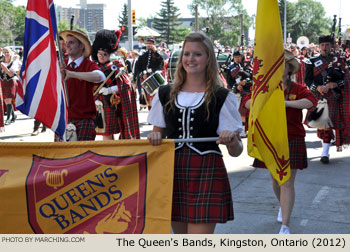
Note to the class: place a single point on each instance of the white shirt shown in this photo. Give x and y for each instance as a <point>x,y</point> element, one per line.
<point>79,60</point>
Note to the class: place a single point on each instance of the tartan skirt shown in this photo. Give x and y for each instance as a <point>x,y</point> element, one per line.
<point>297,154</point>
<point>202,192</point>
<point>9,88</point>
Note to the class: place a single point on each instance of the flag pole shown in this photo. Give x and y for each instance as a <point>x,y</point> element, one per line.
<point>60,55</point>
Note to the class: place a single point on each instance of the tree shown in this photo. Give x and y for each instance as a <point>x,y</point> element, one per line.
<point>167,23</point>
<point>290,14</point>
<point>123,21</point>
<point>6,22</point>
<point>307,18</point>
<point>18,32</point>
<point>141,22</point>
<point>222,18</point>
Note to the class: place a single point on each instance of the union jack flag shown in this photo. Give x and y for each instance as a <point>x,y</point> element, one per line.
<point>41,95</point>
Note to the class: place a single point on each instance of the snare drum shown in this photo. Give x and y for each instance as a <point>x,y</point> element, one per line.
<point>153,82</point>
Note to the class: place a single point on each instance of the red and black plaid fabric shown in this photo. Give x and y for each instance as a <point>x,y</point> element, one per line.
<point>123,119</point>
<point>346,108</point>
<point>202,192</point>
<point>9,88</point>
<point>300,75</point>
<point>297,154</point>
<point>325,134</point>
<point>85,130</point>
<point>127,110</point>
<point>111,118</point>
<point>318,70</point>
<point>235,71</point>
<point>242,109</point>
<point>1,110</point>
<point>336,114</point>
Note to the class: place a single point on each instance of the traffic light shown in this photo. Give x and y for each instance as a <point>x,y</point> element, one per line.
<point>123,28</point>
<point>133,17</point>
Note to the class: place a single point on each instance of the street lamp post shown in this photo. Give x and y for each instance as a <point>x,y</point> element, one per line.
<point>130,30</point>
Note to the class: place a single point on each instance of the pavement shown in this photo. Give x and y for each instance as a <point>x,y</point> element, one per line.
<point>322,204</point>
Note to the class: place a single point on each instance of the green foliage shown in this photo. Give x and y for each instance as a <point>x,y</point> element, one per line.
<point>222,18</point>
<point>123,20</point>
<point>64,25</point>
<point>141,22</point>
<point>167,23</point>
<point>306,18</point>
<point>7,23</point>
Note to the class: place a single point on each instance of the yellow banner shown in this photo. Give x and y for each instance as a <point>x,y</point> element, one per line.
<point>267,136</point>
<point>101,187</point>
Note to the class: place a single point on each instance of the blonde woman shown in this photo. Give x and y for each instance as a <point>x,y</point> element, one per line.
<point>9,68</point>
<point>197,106</point>
<point>297,98</point>
<point>122,52</point>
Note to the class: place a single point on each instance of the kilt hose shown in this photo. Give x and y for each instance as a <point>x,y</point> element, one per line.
<point>297,154</point>
<point>9,88</point>
<point>202,192</point>
<point>85,130</point>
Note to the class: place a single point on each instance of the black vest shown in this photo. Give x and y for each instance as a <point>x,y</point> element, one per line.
<point>192,122</point>
<point>4,75</point>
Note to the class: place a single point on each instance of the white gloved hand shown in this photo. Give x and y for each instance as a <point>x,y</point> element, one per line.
<point>114,89</point>
<point>109,90</point>
<point>104,91</point>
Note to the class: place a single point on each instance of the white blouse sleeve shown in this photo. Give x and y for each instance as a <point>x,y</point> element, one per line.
<point>229,117</point>
<point>156,115</point>
<point>15,67</point>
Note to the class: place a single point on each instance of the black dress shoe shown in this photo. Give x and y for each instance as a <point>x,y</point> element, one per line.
<point>13,118</point>
<point>324,160</point>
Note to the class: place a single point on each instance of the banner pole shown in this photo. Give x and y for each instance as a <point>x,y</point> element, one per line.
<point>196,140</point>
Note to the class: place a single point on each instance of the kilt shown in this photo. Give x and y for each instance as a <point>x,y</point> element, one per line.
<point>111,117</point>
<point>325,134</point>
<point>9,88</point>
<point>297,154</point>
<point>127,111</point>
<point>242,110</point>
<point>85,130</point>
<point>202,192</point>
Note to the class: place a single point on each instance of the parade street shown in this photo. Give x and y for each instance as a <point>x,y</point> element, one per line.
<point>322,191</point>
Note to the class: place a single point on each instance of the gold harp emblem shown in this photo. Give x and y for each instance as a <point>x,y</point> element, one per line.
<point>55,178</point>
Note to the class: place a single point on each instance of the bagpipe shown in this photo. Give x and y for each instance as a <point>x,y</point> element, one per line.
<point>244,72</point>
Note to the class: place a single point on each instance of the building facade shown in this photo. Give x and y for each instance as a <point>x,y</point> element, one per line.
<point>86,16</point>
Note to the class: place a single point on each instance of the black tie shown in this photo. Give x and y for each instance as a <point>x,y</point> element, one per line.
<point>72,65</point>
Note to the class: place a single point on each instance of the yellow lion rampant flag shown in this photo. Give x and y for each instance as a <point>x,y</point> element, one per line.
<point>267,137</point>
